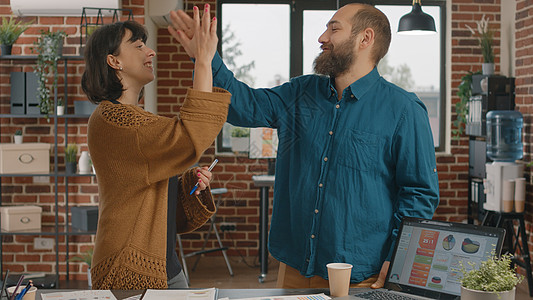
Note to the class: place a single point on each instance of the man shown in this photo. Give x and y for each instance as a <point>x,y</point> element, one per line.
<point>355,152</point>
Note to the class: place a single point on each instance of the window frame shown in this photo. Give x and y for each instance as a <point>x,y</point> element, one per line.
<point>297,8</point>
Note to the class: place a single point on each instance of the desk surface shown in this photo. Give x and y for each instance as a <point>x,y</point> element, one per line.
<point>230,293</point>
<point>263,180</point>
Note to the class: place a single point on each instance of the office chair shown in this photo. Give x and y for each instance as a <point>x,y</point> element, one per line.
<point>212,228</point>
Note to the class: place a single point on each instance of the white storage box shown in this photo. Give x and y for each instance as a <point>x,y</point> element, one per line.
<point>21,218</point>
<point>31,158</point>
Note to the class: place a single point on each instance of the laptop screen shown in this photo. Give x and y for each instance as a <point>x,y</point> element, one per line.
<point>429,254</point>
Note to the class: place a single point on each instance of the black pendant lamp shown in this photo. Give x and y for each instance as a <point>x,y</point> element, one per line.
<point>416,22</point>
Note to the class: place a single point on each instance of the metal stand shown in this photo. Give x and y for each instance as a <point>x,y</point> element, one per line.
<point>212,227</point>
<point>512,241</point>
<point>264,182</point>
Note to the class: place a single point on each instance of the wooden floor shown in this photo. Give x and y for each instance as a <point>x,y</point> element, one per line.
<point>212,272</point>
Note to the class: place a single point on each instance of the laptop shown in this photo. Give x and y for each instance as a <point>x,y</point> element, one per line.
<point>427,257</point>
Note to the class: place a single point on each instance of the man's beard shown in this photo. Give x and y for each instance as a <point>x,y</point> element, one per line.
<point>337,60</point>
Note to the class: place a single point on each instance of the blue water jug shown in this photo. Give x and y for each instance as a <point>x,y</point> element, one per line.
<point>504,135</point>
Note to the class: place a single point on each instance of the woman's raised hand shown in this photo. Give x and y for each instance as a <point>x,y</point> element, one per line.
<point>196,35</point>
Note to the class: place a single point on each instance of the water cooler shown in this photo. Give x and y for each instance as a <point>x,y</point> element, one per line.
<point>504,147</point>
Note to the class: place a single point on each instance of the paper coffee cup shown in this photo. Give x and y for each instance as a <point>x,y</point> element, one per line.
<point>30,295</point>
<point>339,279</point>
<point>508,195</point>
<point>520,194</point>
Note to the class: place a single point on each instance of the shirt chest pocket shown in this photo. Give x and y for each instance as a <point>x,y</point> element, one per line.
<point>359,150</point>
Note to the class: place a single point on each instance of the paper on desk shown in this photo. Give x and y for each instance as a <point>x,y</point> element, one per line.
<point>80,295</point>
<point>204,294</point>
<point>321,296</point>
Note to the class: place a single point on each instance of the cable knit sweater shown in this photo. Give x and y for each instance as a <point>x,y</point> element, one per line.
<point>134,152</point>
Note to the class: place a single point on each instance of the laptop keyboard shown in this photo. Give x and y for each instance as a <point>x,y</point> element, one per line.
<point>384,295</point>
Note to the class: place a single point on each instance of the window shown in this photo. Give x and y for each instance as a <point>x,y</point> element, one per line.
<point>253,34</point>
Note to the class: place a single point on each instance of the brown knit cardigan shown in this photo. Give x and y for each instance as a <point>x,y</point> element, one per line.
<point>134,152</point>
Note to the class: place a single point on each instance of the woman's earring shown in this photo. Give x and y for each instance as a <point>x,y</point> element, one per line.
<point>120,68</point>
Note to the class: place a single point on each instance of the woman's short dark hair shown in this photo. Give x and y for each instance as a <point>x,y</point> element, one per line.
<point>100,81</point>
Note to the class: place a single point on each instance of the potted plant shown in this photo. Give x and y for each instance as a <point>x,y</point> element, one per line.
<point>240,139</point>
<point>10,30</point>
<point>49,50</point>
<point>60,107</point>
<point>494,279</point>
<point>18,137</point>
<point>461,108</point>
<point>87,258</point>
<point>71,152</point>
<point>485,37</point>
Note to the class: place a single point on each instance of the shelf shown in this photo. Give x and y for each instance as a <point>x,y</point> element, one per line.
<point>59,174</point>
<point>57,228</point>
<point>50,230</point>
<point>34,57</point>
<point>67,116</point>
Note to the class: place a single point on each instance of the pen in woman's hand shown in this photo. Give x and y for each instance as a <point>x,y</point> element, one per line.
<point>210,168</point>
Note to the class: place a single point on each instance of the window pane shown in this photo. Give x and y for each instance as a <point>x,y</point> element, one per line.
<point>255,47</point>
<point>413,62</point>
<point>257,36</point>
<point>314,25</point>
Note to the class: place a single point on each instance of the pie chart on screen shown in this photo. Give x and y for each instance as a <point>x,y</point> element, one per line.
<point>448,242</point>
<point>470,246</point>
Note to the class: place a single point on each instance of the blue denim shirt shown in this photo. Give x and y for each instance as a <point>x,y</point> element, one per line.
<point>347,171</point>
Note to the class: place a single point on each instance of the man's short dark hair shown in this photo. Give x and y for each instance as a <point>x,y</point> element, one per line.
<point>370,17</point>
<point>100,81</point>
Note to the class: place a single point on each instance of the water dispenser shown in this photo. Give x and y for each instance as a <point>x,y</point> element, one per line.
<point>504,135</point>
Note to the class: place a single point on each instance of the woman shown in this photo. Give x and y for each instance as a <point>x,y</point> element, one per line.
<point>135,153</point>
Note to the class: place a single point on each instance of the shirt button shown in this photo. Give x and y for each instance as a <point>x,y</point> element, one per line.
<point>316,211</point>
<point>331,133</point>
<point>307,260</point>
<point>337,106</point>
<point>320,185</point>
<point>325,159</point>
<point>434,170</point>
<point>352,96</point>
<point>312,236</point>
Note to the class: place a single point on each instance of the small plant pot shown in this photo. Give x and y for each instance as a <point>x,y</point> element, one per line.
<point>17,139</point>
<point>89,278</point>
<point>487,68</point>
<point>468,294</point>
<point>71,167</point>
<point>60,110</point>
<point>6,49</point>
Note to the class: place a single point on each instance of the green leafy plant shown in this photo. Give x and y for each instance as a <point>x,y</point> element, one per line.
<point>91,29</point>
<point>461,108</point>
<point>49,48</point>
<point>485,37</point>
<point>11,29</point>
<point>493,275</point>
<point>86,257</point>
<point>60,102</point>
<point>18,132</point>
<point>240,132</point>
<point>71,152</point>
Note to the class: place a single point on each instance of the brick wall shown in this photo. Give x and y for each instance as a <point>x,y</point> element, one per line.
<point>241,205</point>
<point>524,89</point>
